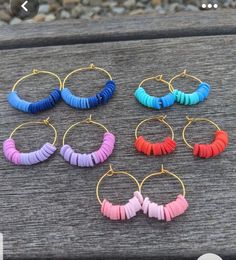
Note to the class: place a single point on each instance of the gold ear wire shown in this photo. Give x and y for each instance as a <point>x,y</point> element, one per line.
<point>35,72</point>
<point>190,121</point>
<point>43,122</point>
<point>85,121</point>
<point>161,119</point>
<point>158,78</point>
<point>163,171</point>
<point>182,74</point>
<point>90,67</point>
<point>110,173</point>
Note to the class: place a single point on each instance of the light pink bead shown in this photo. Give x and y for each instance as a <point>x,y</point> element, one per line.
<point>139,196</point>
<point>145,205</point>
<point>122,212</point>
<point>136,204</point>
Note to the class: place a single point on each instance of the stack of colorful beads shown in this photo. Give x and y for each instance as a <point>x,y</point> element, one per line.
<point>16,157</point>
<point>219,144</point>
<point>167,212</point>
<point>89,160</point>
<point>122,212</point>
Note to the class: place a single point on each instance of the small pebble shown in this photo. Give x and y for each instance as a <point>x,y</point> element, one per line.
<point>43,9</point>
<point>50,18</point>
<point>15,20</point>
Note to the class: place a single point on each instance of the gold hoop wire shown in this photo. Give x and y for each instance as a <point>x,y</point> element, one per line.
<point>85,121</point>
<point>163,171</point>
<point>159,118</point>
<point>110,173</point>
<point>44,122</point>
<point>182,74</point>
<point>90,67</point>
<point>36,72</point>
<point>158,78</point>
<point>190,121</point>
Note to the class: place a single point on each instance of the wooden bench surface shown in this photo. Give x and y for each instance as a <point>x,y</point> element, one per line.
<point>50,210</point>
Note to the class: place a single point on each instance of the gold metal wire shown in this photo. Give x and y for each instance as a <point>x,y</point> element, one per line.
<point>163,171</point>
<point>90,67</point>
<point>161,119</point>
<point>43,122</point>
<point>36,72</point>
<point>182,74</point>
<point>158,78</point>
<point>109,173</point>
<point>190,121</point>
<point>85,121</point>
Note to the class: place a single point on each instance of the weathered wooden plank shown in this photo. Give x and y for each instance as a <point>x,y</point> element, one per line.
<point>50,210</point>
<point>131,28</point>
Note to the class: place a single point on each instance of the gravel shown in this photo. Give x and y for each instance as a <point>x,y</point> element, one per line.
<point>51,10</point>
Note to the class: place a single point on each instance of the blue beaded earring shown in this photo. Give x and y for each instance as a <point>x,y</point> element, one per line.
<point>38,106</point>
<point>151,101</point>
<point>88,102</point>
<point>197,96</point>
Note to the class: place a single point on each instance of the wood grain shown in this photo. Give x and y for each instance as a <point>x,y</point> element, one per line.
<point>152,26</point>
<point>50,210</point>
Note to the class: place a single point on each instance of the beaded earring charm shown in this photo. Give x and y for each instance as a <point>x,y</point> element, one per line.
<point>93,158</point>
<point>197,96</point>
<point>154,102</point>
<point>168,211</point>
<point>120,212</point>
<point>88,102</point>
<point>218,145</point>
<point>18,158</point>
<point>38,106</point>
<point>148,148</point>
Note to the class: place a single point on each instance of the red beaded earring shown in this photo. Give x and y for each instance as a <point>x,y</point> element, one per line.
<point>217,146</point>
<point>158,148</point>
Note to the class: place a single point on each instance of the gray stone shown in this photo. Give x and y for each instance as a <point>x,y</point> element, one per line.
<point>2,23</point>
<point>5,16</point>
<point>191,8</point>
<point>160,10</point>
<point>118,10</point>
<point>64,14</point>
<point>15,20</point>
<point>175,7</point>
<point>130,3</point>
<point>50,18</point>
<point>44,9</point>
<point>95,2</point>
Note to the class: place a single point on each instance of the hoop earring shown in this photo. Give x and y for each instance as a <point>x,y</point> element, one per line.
<point>91,159</point>
<point>218,145</point>
<point>154,102</point>
<point>120,212</point>
<point>168,211</point>
<point>18,158</point>
<point>190,99</point>
<point>89,102</point>
<point>148,148</point>
<point>38,106</point>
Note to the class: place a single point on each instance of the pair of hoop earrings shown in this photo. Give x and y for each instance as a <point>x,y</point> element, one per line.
<point>62,92</point>
<point>165,212</point>
<point>217,146</point>
<point>78,159</point>
<point>175,95</point>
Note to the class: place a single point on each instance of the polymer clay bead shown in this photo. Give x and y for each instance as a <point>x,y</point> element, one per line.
<point>18,158</point>
<point>216,147</point>
<point>158,148</point>
<point>34,107</point>
<point>93,158</point>
<point>197,96</point>
<point>88,102</point>
<point>151,101</point>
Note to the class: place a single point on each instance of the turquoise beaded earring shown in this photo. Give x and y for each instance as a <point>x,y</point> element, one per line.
<point>154,102</point>
<point>197,96</point>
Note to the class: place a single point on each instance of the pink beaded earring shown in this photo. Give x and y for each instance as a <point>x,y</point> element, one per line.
<point>18,158</point>
<point>120,212</point>
<point>91,159</point>
<point>168,211</point>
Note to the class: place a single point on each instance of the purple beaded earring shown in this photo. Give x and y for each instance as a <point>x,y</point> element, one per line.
<point>91,159</point>
<point>18,158</point>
